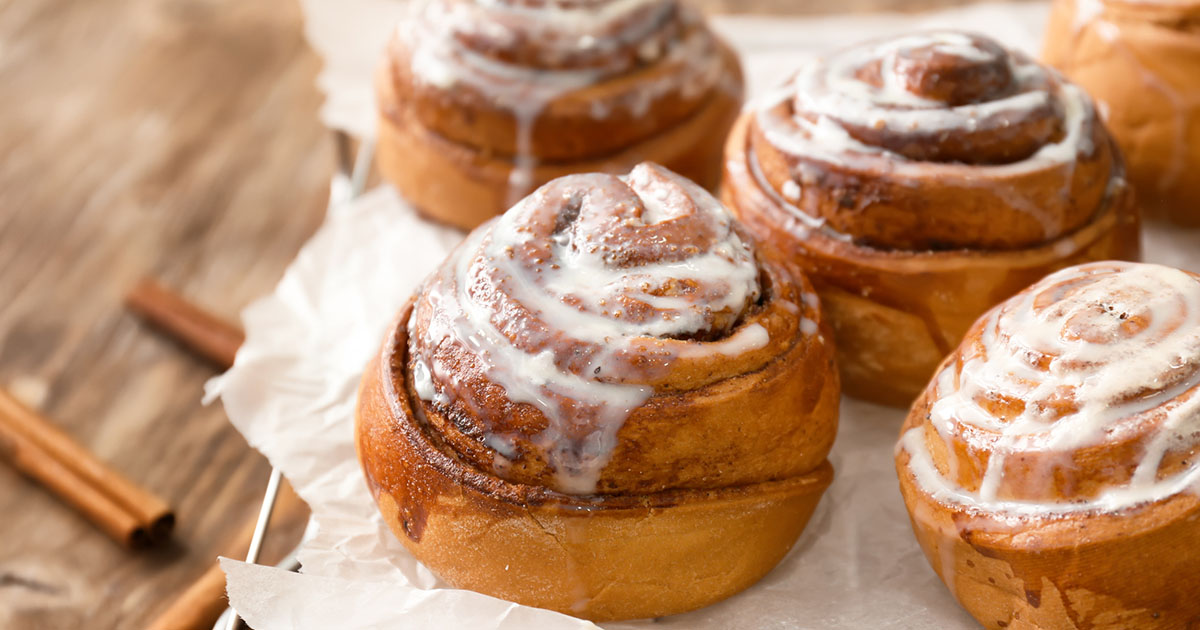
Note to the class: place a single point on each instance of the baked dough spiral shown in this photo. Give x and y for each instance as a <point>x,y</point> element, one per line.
<point>483,101</point>
<point>607,367</point>
<point>918,181</point>
<point>1051,468</point>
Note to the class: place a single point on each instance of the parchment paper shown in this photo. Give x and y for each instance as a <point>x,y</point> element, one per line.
<point>291,393</point>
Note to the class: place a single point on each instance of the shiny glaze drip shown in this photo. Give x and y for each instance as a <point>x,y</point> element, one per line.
<point>851,135</point>
<point>521,56</point>
<point>1091,356</point>
<point>565,299</point>
<point>905,98</point>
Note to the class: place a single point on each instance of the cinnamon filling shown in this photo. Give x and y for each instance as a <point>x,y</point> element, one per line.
<point>1080,394</point>
<point>549,326</point>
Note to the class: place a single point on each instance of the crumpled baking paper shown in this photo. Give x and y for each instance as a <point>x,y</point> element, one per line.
<point>291,393</point>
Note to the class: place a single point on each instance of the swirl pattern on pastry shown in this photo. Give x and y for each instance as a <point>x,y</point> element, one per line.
<point>919,181</point>
<point>590,299</point>
<point>549,81</point>
<point>1082,394</point>
<point>599,396</point>
<point>858,139</point>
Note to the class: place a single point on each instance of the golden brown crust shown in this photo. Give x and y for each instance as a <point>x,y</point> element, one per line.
<point>1115,572</point>
<point>1060,562</point>
<point>1140,61</point>
<point>606,367</point>
<point>935,141</point>
<point>725,421</point>
<point>454,184</point>
<point>897,309</point>
<point>462,157</point>
<point>896,313</point>
<point>601,557</point>
<point>567,128</point>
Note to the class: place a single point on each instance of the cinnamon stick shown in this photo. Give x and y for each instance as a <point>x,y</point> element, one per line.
<point>202,332</point>
<point>35,447</point>
<point>204,600</point>
<point>197,607</point>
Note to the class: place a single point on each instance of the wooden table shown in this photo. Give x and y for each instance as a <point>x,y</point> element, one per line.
<point>172,137</point>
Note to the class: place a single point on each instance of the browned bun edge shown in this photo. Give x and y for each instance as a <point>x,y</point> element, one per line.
<point>896,313</point>
<point>462,186</point>
<point>1134,569</point>
<point>717,418</point>
<point>574,125</point>
<point>1140,60</point>
<point>598,557</point>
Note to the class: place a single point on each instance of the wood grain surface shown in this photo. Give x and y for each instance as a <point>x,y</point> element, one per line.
<point>176,138</point>
<point>171,137</point>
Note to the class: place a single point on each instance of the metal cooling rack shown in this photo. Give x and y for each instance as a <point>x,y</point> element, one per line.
<point>347,184</point>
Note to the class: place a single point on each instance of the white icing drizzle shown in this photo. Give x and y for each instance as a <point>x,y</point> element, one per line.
<point>1123,339</point>
<point>814,116</point>
<point>573,363</point>
<point>830,87</point>
<point>803,225</point>
<point>580,19</point>
<point>422,376</point>
<point>441,59</point>
<point>1086,12</point>
<point>746,339</point>
<point>829,90</point>
<point>796,221</point>
<point>791,190</point>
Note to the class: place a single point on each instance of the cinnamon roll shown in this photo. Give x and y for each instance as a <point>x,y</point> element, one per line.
<point>482,102</point>
<point>603,403</point>
<point>1052,467</point>
<point>1140,59</point>
<point>918,181</point>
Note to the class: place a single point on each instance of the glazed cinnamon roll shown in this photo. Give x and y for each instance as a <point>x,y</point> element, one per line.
<point>919,181</point>
<point>1140,59</point>
<point>483,101</point>
<point>603,403</point>
<point>1052,467</point>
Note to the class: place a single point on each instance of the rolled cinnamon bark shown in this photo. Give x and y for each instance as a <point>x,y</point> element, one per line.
<point>209,336</point>
<point>1052,467</point>
<point>481,102</point>
<point>1140,60</point>
<point>200,605</point>
<point>126,512</point>
<point>918,181</point>
<point>604,403</point>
